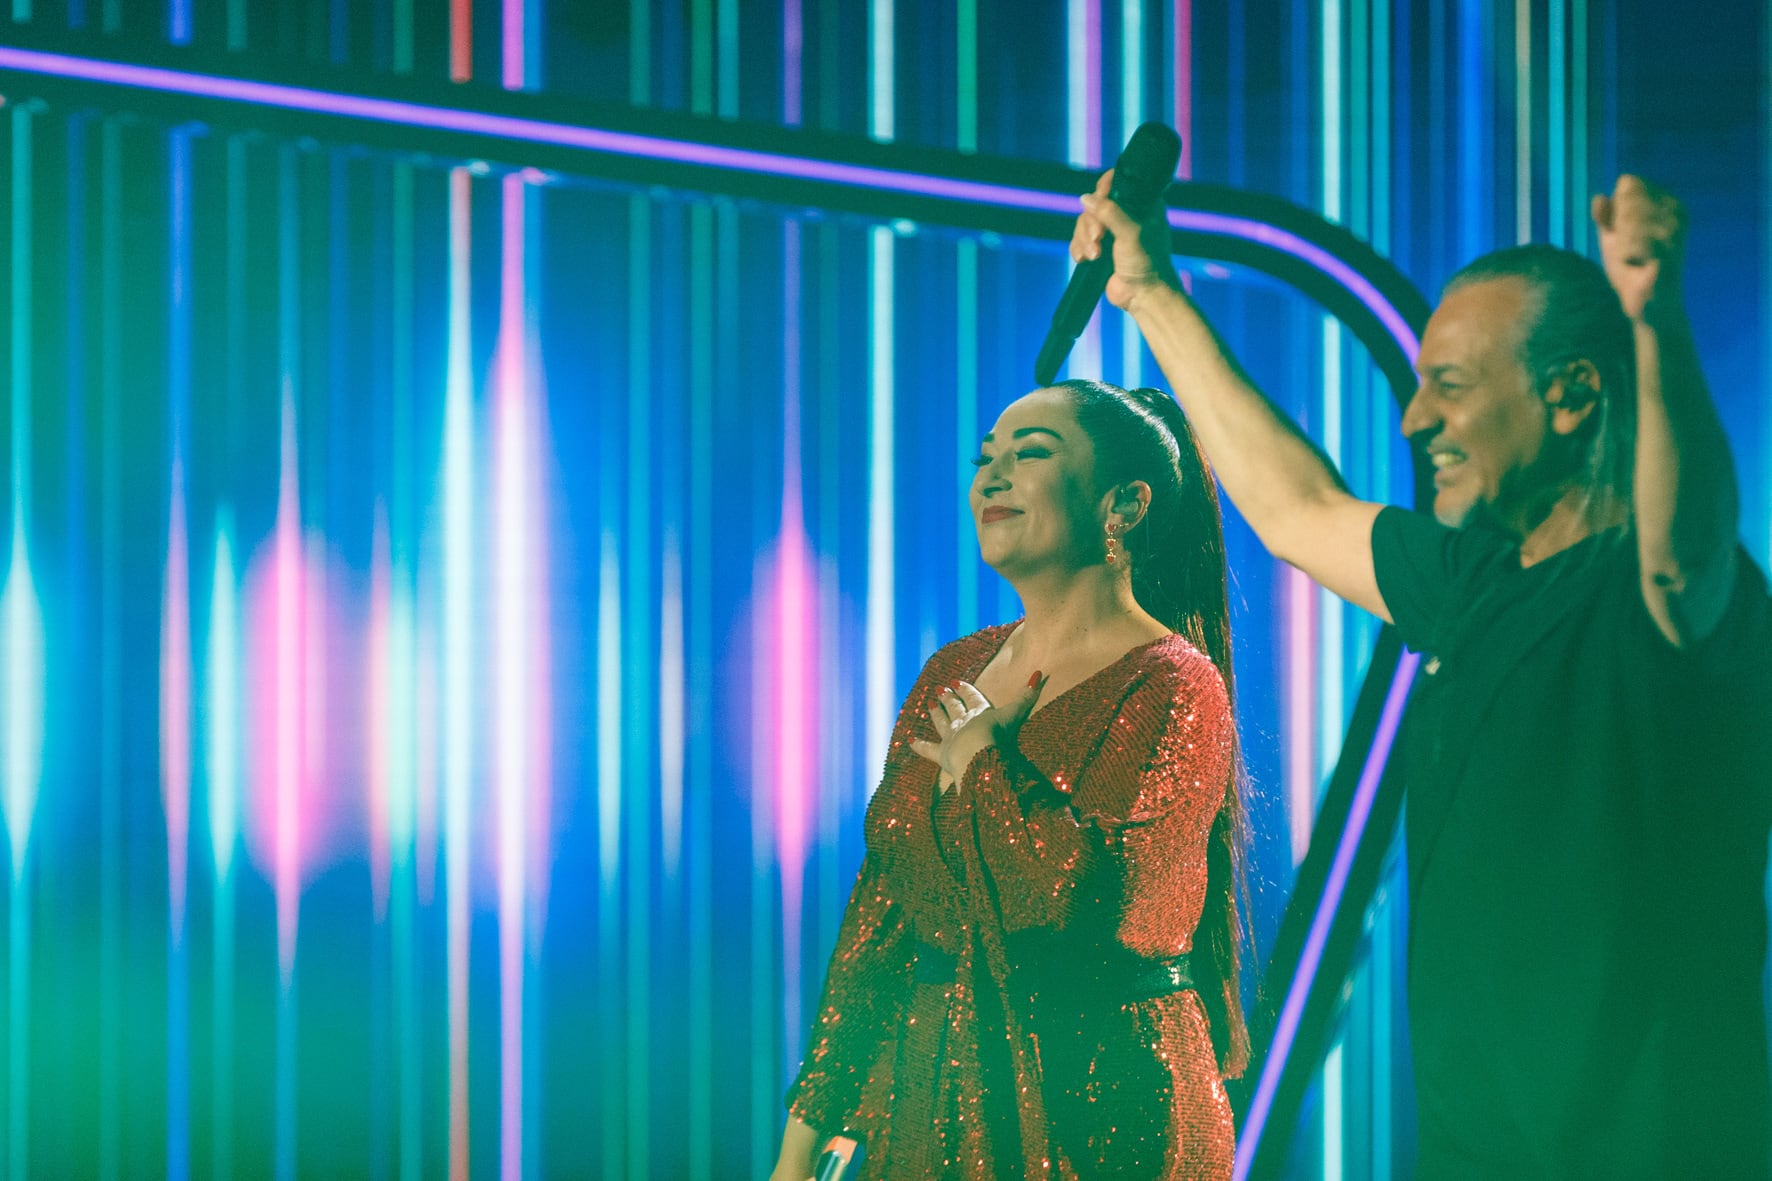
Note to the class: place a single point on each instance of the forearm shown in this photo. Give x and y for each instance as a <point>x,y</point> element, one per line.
<point>1268,467</point>
<point>1686,500</point>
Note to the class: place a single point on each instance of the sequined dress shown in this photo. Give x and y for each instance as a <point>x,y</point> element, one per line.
<point>965,1029</point>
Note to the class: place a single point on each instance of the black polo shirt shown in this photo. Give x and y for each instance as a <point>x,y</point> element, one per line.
<point>1587,825</point>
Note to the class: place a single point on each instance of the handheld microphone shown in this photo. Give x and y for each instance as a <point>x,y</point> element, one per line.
<point>840,1160</point>
<point>1141,174</point>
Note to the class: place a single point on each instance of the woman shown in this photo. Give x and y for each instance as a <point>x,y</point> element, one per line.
<point>1037,972</point>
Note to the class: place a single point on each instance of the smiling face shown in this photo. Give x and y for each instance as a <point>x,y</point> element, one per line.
<point>1478,413</point>
<point>1033,496</point>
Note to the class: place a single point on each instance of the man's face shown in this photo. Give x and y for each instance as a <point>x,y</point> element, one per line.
<point>1477,412</point>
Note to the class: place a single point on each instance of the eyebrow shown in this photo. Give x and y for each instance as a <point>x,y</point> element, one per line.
<point>1028,430</point>
<point>1438,371</point>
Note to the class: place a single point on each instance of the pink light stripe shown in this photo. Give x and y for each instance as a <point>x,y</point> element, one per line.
<point>175,704</point>
<point>1182,20</point>
<point>1092,48</point>
<point>796,651</point>
<point>289,699</point>
<point>378,715</point>
<point>512,709</point>
<point>513,33</point>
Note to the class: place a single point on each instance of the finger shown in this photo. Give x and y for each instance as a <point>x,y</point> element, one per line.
<point>1600,208</point>
<point>927,750</point>
<point>1024,702</point>
<point>972,698</point>
<point>1104,184</point>
<point>1118,222</point>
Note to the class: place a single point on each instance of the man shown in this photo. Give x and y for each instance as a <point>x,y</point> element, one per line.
<point>1587,750</point>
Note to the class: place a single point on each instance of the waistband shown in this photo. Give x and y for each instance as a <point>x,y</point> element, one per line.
<point>1048,979</point>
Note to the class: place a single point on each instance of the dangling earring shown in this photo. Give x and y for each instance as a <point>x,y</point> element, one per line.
<point>1112,545</point>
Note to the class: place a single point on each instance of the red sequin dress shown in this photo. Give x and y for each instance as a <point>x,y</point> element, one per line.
<point>1087,850</point>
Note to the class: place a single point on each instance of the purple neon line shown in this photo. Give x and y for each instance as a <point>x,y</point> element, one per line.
<point>1311,958</point>
<point>705,155</point>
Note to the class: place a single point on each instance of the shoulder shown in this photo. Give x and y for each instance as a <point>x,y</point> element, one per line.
<point>1406,542</point>
<point>1175,668</point>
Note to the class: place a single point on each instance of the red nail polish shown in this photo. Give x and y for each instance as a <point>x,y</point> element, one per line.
<point>1034,680</point>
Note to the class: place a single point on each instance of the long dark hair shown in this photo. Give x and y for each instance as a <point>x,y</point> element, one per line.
<point>1176,552</point>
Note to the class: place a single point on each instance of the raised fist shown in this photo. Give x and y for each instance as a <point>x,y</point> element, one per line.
<point>1642,244</point>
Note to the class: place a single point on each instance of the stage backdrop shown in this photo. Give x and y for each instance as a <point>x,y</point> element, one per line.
<point>452,612</point>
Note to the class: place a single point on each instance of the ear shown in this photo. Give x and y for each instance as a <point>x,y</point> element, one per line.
<point>1572,394</point>
<point>1131,501</point>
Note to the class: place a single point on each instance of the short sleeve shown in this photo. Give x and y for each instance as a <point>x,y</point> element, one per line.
<point>1741,646</point>
<point>1421,566</point>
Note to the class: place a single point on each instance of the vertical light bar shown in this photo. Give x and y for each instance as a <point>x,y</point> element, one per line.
<point>706,301</point>
<point>881,675</point>
<point>609,817</point>
<point>1131,67</point>
<point>1523,121</point>
<point>175,630</point>
<point>796,646</point>
<point>178,29</point>
<point>793,56</point>
<point>511,413</point>
<point>1578,117</point>
<point>966,81</point>
<point>1083,142</point>
<point>701,57</point>
<point>881,63</point>
<point>23,621</point>
<point>1300,596</point>
<point>1471,84</point>
<point>1381,963</point>
<point>515,35</point>
<point>111,707</point>
<point>672,730</point>
<point>461,40</point>
<point>402,704</point>
<point>1332,110</point>
<point>1334,1112</point>
<point>1076,76</point>
<point>1329,609</point>
<point>1131,115</point>
<point>287,701</point>
<point>1557,94</point>
<point>1181,19</point>
<point>458,637</point>
<point>403,40</point>
<point>377,736</point>
<point>726,46</point>
<point>640,52</point>
<point>222,778</point>
<point>966,427</point>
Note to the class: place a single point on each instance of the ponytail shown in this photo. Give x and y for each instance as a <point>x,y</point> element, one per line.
<point>1179,577</point>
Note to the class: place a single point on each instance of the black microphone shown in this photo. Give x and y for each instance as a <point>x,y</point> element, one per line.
<point>1141,174</point>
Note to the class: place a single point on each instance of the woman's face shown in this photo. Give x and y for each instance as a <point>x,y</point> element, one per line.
<point>1033,497</point>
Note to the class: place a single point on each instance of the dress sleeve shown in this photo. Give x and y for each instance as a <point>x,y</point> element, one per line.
<point>1421,565</point>
<point>859,1011</point>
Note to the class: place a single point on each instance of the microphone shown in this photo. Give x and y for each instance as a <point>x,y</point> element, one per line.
<point>1141,174</point>
<point>840,1160</point>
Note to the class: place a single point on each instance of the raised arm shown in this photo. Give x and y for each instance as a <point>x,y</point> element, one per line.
<point>1687,504</point>
<point>1279,480</point>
